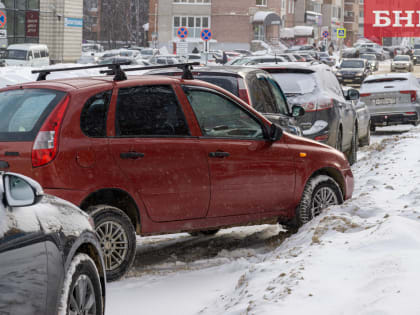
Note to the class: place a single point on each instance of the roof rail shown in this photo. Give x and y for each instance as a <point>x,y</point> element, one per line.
<point>119,74</point>
<point>186,67</point>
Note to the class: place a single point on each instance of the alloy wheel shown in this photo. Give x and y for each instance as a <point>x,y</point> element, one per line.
<point>324,197</point>
<point>82,298</point>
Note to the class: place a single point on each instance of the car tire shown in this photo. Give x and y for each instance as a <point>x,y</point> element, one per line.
<point>204,232</point>
<point>339,140</point>
<point>317,189</point>
<point>365,141</point>
<point>82,276</point>
<point>352,154</point>
<point>118,249</point>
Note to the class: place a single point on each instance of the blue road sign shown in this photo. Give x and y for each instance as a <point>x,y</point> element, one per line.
<point>206,34</point>
<point>2,19</point>
<point>325,34</point>
<point>182,32</point>
<point>341,32</point>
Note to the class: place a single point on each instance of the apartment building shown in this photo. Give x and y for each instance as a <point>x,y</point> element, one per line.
<point>351,20</point>
<point>361,19</point>
<point>332,17</point>
<point>309,13</point>
<point>56,23</point>
<point>234,24</point>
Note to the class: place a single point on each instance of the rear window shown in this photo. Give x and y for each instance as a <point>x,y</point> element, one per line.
<point>228,83</point>
<point>295,83</point>
<point>16,54</point>
<point>23,111</point>
<point>380,80</point>
<point>402,58</point>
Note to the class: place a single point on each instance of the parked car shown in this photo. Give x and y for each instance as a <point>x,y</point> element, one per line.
<point>28,55</point>
<point>329,117</point>
<point>353,71</point>
<point>326,58</point>
<point>86,59</point>
<point>402,63</point>
<point>255,60</point>
<point>363,118</point>
<point>416,56</point>
<point>392,99</point>
<point>49,253</point>
<point>254,86</point>
<point>164,60</point>
<point>372,61</point>
<point>159,154</point>
<point>378,52</point>
<point>118,60</point>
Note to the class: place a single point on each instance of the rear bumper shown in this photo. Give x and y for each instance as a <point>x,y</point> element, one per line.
<point>393,119</point>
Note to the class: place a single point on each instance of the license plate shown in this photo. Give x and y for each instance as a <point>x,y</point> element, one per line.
<point>385,101</point>
<point>348,80</point>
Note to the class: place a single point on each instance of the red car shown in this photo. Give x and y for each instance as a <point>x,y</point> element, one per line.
<point>156,154</point>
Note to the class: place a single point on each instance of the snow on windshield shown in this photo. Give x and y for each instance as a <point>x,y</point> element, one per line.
<point>295,83</point>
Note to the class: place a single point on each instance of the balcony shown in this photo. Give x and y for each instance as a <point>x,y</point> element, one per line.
<point>349,19</point>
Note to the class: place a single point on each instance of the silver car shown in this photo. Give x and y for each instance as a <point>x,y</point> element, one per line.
<point>401,63</point>
<point>392,99</point>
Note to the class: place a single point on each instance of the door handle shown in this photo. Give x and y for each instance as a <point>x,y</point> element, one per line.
<point>219,154</point>
<point>131,155</point>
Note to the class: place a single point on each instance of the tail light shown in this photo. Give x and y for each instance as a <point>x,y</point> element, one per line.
<point>242,91</point>
<point>322,105</point>
<point>322,138</point>
<point>365,94</point>
<point>45,146</point>
<point>413,95</point>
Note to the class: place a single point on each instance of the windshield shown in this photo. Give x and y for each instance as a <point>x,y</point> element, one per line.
<point>417,52</point>
<point>352,64</point>
<point>16,54</point>
<point>402,58</point>
<point>22,112</point>
<point>368,57</point>
<point>295,83</point>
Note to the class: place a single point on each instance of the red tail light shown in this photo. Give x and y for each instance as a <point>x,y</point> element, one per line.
<point>325,105</point>
<point>365,94</point>
<point>413,94</point>
<point>322,105</point>
<point>45,146</point>
<point>322,138</point>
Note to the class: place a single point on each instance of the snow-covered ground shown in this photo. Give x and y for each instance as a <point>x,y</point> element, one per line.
<point>358,258</point>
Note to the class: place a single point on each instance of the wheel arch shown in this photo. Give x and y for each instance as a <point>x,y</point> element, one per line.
<point>117,198</point>
<point>334,174</point>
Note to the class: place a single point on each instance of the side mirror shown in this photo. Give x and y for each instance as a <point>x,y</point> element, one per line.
<point>352,95</point>
<point>298,111</point>
<point>21,191</point>
<point>275,133</point>
<point>338,67</point>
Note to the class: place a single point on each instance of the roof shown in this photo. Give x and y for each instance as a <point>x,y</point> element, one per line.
<point>26,46</point>
<point>226,70</point>
<point>389,75</point>
<point>266,17</point>
<point>299,66</point>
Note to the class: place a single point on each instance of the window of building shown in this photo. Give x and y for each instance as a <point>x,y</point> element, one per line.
<point>283,4</point>
<point>261,3</point>
<point>194,24</point>
<point>192,1</point>
<point>361,13</point>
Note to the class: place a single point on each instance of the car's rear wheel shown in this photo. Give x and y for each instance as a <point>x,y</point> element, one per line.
<point>82,290</point>
<point>352,154</point>
<point>118,239</point>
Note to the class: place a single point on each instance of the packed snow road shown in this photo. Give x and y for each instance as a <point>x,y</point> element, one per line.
<point>358,258</point>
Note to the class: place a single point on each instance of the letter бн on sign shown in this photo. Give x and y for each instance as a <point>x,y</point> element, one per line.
<point>32,24</point>
<point>391,18</point>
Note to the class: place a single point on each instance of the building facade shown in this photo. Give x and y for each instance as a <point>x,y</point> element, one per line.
<point>333,17</point>
<point>56,23</point>
<point>351,21</point>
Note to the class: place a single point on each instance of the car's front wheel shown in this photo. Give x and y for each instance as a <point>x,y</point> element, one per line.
<point>82,290</point>
<point>352,154</point>
<point>366,140</point>
<point>118,239</point>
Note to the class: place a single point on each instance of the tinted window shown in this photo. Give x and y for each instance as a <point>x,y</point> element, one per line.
<point>149,111</point>
<point>221,117</point>
<point>43,53</point>
<point>296,83</point>
<point>94,115</point>
<point>278,96</point>
<point>16,54</point>
<point>23,111</point>
<point>352,64</point>
<point>228,83</point>
<point>261,97</point>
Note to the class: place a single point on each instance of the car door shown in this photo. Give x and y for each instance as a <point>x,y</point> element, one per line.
<point>155,151</point>
<point>23,261</point>
<point>248,173</point>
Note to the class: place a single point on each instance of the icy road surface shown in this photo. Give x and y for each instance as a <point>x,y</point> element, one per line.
<point>362,257</point>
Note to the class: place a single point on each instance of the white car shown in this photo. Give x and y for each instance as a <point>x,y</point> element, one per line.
<point>402,63</point>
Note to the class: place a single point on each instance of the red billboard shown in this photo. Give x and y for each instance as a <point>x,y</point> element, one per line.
<point>32,24</point>
<point>391,18</point>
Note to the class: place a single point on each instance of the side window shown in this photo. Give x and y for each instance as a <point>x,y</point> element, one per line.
<point>149,111</point>
<point>94,115</point>
<point>261,97</point>
<point>220,117</point>
<point>278,96</point>
<point>43,53</point>
<point>37,54</point>
<point>30,55</point>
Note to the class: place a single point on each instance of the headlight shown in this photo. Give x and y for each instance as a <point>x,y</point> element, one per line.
<point>359,74</point>
<point>338,74</point>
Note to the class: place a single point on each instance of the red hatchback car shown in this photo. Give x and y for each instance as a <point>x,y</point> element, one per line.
<point>155,154</point>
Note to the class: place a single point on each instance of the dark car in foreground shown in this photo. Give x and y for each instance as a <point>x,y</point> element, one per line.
<point>254,86</point>
<point>329,115</point>
<point>353,71</point>
<point>158,154</point>
<point>50,257</point>
<point>392,99</point>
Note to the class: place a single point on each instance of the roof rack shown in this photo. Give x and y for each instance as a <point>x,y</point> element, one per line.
<point>119,74</point>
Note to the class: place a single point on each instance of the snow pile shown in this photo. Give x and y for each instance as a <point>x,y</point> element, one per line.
<point>361,257</point>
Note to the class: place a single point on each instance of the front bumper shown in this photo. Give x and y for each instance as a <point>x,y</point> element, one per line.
<point>350,80</point>
<point>393,119</point>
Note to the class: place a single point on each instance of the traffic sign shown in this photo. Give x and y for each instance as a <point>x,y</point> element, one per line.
<point>325,34</point>
<point>182,32</point>
<point>3,19</point>
<point>206,34</point>
<point>341,33</point>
